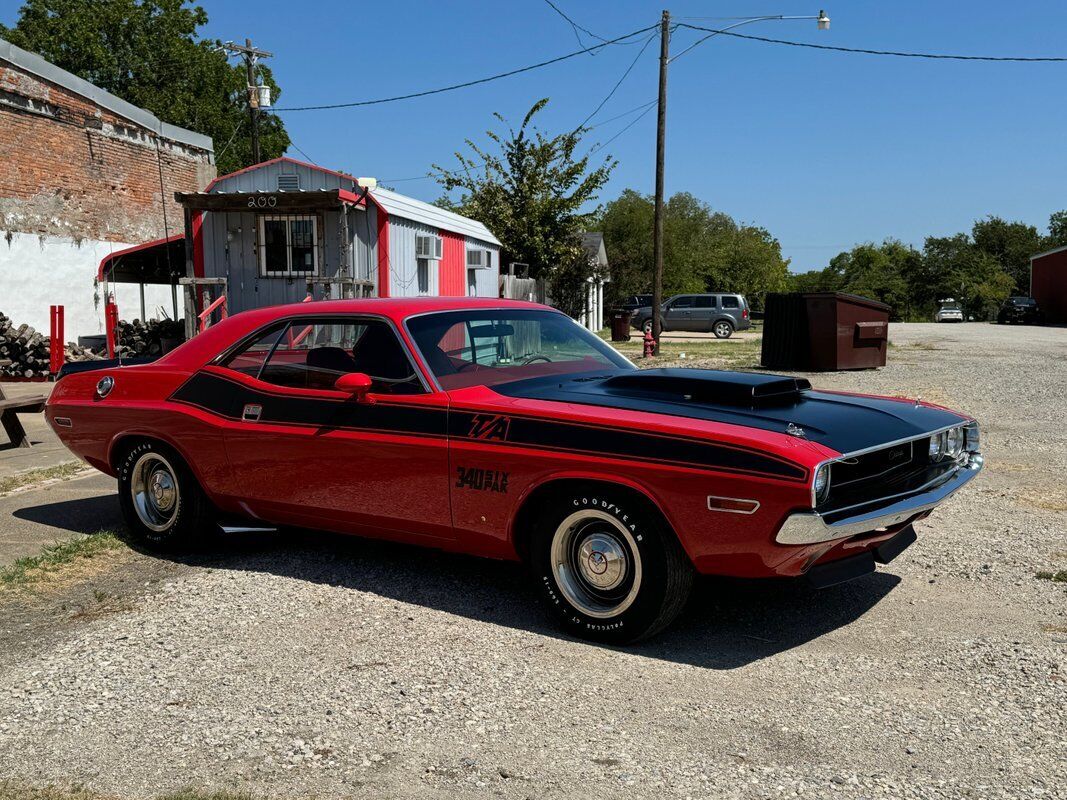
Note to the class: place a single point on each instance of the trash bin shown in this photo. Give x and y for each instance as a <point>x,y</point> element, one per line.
<point>620,325</point>
<point>824,331</point>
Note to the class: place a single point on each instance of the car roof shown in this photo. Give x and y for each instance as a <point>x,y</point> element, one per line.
<point>205,346</point>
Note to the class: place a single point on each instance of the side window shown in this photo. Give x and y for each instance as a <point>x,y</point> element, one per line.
<point>730,302</point>
<point>683,302</point>
<point>704,301</point>
<point>313,354</point>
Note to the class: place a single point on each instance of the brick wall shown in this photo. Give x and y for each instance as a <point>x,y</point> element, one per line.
<point>72,169</point>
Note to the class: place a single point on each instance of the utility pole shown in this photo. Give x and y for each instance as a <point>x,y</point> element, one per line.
<point>661,137</point>
<point>251,55</point>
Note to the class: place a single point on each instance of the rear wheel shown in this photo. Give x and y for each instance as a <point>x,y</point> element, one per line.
<point>608,566</point>
<point>163,505</point>
<point>722,329</point>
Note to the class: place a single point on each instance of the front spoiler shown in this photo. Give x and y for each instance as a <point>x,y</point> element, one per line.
<point>811,527</point>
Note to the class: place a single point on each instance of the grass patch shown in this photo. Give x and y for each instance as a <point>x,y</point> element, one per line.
<point>31,569</point>
<point>32,477</point>
<point>1059,576</point>
<point>740,353</point>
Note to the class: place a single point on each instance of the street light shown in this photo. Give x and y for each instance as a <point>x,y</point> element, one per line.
<point>822,21</point>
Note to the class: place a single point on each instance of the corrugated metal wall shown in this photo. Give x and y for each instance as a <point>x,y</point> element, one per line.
<point>403,266</point>
<point>453,280</point>
<point>231,239</point>
<point>486,280</point>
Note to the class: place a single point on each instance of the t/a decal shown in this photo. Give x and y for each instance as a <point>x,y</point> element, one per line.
<point>487,426</point>
<point>486,480</point>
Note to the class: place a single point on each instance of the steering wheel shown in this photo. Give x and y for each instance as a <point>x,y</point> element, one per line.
<point>532,359</point>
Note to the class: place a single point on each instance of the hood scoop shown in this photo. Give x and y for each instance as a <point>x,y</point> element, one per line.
<point>717,387</point>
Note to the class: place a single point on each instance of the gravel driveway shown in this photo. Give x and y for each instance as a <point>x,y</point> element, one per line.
<point>338,667</point>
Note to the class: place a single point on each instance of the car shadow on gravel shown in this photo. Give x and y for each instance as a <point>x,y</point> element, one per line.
<point>727,624</point>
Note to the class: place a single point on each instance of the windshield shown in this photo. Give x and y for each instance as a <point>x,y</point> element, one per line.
<point>492,346</point>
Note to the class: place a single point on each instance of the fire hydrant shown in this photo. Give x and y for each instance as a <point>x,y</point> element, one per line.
<point>650,345</point>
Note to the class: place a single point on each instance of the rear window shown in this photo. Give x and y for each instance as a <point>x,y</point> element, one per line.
<point>731,302</point>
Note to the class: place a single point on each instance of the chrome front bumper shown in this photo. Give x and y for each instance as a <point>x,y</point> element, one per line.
<point>811,527</point>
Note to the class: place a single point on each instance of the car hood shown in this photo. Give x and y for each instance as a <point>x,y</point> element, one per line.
<point>842,422</point>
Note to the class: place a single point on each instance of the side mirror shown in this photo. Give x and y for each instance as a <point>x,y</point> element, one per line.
<point>356,383</point>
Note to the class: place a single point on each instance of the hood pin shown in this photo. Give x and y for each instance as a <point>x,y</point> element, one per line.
<point>794,430</point>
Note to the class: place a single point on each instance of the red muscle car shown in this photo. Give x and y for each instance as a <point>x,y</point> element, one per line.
<point>506,430</point>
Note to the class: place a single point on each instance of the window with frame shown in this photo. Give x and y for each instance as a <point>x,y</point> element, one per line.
<point>683,302</point>
<point>731,302</point>
<point>314,353</point>
<point>288,245</point>
<point>422,274</point>
<point>703,301</point>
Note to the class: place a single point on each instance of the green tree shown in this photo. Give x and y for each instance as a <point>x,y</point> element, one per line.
<point>960,269</point>
<point>703,250</point>
<point>529,189</point>
<point>1057,230</point>
<point>148,53</point>
<point>1011,244</point>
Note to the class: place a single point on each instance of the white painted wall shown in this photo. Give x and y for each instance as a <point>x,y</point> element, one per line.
<point>39,271</point>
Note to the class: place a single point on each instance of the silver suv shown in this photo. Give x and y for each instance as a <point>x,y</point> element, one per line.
<point>721,314</point>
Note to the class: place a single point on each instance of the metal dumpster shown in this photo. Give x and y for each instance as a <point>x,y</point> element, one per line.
<point>620,325</point>
<point>824,331</point>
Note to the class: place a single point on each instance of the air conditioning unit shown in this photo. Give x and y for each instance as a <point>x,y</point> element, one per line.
<point>428,246</point>
<point>479,259</point>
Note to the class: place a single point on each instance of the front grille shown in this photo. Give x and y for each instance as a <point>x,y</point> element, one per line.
<point>882,473</point>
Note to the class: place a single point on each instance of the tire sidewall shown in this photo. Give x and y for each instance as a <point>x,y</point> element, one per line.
<point>715,329</point>
<point>182,526</point>
<point>647,533</point>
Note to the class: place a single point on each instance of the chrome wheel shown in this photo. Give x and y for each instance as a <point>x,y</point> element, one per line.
<point>596,563</point>
<point>154,490</point>
<point>723,330</point>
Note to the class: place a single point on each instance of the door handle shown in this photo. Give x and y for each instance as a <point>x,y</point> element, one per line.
<point>252,412</point>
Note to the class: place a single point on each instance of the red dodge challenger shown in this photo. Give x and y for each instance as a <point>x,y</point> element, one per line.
<point>506,430</point>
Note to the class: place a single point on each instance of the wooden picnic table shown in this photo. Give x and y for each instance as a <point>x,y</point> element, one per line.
<point>10,408</point>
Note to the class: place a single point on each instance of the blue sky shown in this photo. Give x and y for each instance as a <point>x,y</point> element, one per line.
<point>823,149</point>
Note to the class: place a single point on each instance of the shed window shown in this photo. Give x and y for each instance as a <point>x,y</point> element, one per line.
<point>423,275</point>
<point>288,246</point>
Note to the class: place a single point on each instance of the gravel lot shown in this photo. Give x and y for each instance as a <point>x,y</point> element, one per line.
<point>337,667</point>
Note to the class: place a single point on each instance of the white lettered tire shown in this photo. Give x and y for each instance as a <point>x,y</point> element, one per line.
<point>608,566</point>
<point>162,503</point>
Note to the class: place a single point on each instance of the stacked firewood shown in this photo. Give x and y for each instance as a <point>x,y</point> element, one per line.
<point>23,351</point>
<point>139,338</point>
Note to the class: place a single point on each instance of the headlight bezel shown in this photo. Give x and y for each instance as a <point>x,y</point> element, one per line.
<point>819,494</point>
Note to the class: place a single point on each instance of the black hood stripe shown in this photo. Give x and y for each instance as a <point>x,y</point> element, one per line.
<point>225,397</point>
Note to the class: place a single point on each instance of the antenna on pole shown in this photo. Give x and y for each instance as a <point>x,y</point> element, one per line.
<point>258,95</point>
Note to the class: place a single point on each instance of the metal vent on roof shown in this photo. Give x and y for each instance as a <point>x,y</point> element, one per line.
<point>289,183</point>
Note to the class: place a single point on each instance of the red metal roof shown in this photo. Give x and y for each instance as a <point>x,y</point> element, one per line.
<point>110,258</point>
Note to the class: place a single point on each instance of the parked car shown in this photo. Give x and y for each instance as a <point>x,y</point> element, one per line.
<point>1019,309</point>
<point>505,429</point>
<point>950,311</point>
<point>721,314</point>
<point>636,301</point>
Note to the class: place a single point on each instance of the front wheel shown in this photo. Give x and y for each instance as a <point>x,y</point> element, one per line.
<point>722,329</point>
<point>163,505</point>
<point>608,566</point>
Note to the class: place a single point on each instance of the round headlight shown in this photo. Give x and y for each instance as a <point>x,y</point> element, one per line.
<point>104,386</point>
<point>937,446</point>
<point>821,486</point>
<point>954,443</point>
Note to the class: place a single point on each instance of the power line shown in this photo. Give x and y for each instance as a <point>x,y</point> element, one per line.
<point>618,83</point>
<point>644,106</point>
<point>574,25</point>
<point>599,147</point>
<point>864,51</point>
<point>466,84</point>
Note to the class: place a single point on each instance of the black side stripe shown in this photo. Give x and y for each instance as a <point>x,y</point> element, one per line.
<point>227,398</point>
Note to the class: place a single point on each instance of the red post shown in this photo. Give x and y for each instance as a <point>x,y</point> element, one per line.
<point>111,321</point>
<point>56,353</point>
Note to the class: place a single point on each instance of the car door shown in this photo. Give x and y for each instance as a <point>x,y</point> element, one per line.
<point>704,310</point>
<point>304,453</point>
<point>679,314</point>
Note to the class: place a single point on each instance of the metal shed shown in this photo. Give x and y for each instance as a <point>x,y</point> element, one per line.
<point>284,230</point>
<point>1048,283</point>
